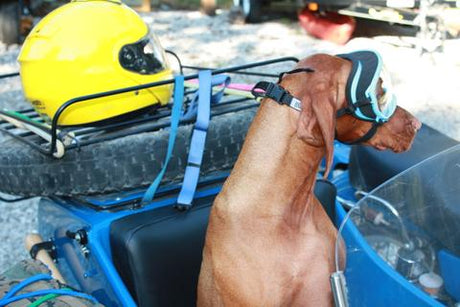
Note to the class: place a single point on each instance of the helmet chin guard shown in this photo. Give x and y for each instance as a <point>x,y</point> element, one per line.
<point>368,91</point>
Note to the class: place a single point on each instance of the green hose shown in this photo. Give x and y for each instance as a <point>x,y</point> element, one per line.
<point>45,298</point>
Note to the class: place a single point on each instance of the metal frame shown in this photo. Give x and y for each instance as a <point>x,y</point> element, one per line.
<point>136,125</point>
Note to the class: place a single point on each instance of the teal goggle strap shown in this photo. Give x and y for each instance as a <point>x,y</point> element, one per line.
<point>361,86</point>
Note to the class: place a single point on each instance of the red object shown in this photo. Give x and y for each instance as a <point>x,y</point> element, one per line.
<point>329,26</point>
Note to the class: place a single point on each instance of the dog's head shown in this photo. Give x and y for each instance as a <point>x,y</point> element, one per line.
<point>323,92</point>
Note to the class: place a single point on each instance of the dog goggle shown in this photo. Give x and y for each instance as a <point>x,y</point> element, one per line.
<point>369,91</point>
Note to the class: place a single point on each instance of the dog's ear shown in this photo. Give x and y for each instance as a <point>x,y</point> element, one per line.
<point>317,123</point>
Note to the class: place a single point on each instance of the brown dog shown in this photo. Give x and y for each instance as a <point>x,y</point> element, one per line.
<point>269,242</point>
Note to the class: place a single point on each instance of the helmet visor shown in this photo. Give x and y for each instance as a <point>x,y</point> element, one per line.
<point>145,56</point>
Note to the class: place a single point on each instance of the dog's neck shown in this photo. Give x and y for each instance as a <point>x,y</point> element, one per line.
<point>275,174</point>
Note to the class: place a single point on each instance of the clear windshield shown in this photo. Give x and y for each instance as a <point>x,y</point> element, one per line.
<point>412,222</point>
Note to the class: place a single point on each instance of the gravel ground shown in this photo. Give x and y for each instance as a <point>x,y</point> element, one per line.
<point>426,85</point>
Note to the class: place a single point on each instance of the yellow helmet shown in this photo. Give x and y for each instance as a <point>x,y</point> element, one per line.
<point>87,47</point>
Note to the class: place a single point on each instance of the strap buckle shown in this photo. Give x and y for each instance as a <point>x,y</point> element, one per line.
<point>276,92</point>
<point>268,89</point>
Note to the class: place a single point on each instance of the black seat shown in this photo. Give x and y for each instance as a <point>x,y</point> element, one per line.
<point>158,253</point>
<point>369,167</point>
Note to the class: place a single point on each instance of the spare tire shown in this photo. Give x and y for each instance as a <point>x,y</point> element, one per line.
<point>124,163</point>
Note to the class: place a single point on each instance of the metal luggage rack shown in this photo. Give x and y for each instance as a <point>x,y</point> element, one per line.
<point>28,127</point>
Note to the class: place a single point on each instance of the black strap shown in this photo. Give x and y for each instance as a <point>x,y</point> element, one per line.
<point>351,108</point>
<point>294,71</point>
<point>365,137</point>
<point>347,110</point>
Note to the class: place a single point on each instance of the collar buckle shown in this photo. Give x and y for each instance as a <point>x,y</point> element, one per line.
<point>277,93</point>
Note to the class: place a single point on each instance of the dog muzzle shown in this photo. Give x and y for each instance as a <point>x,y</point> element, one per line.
<point>369,91</point>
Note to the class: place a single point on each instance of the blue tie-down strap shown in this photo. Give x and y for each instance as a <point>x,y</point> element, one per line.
<point>197,143</point>
<point>192,109</point>
<point>175,117</point>
<point>199,107</point>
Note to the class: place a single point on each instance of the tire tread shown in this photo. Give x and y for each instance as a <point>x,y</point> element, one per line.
<point>120,164</point>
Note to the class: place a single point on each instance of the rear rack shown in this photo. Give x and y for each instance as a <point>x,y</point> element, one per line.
<point>53,140</point>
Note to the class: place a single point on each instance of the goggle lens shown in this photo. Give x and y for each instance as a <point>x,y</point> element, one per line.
<point>384,93</point>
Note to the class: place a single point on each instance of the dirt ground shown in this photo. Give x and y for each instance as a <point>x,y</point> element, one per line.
<point>426,84</point>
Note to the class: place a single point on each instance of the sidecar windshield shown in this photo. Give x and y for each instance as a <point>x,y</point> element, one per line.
<point>412,223</point>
